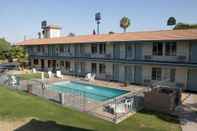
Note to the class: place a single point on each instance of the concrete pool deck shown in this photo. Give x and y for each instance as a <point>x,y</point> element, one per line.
<point>110,84</point>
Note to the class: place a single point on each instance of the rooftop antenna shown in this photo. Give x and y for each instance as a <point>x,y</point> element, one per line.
<point>39,35</point>
<point>94,32</point>
<point>97,19</point>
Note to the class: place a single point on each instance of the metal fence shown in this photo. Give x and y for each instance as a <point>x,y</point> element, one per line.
<point>114,110</point>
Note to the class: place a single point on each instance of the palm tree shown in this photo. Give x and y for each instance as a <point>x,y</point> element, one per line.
<point>171,21</point>
<point>124,23</point>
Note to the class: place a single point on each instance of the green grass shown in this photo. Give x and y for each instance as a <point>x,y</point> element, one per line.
<point>29,76</point>
<point>16,105</point>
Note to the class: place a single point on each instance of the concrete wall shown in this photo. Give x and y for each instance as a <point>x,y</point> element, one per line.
<point>50,33</point>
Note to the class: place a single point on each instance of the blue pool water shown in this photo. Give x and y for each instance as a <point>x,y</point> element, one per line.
<point>94,92</point>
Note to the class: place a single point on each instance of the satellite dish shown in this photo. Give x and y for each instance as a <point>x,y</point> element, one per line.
<point>43,24</point>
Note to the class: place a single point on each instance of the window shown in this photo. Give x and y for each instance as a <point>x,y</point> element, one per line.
<point>170,49</point>
<point>172,75</point>
<point>30,49</point>
<point>93,67</point>
<point>67,64</point>
<point>38,48</point>
<point>61,63</point>
<point>94,48</point>
<point>101,68</point>
<point>102,48</point>
<point>42,49</point>
<point>157,48</point>
<point>128,51</point>
<point>156,74</point>
<point>67,48</point>
<point>57,49</point>
<point>61,49</point>
<point>49,63</point>
<point>35,61</point>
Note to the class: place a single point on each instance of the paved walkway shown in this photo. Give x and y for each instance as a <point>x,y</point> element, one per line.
<point>188,117</point>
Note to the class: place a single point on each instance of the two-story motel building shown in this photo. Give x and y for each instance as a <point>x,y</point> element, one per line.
<point>137,57</point>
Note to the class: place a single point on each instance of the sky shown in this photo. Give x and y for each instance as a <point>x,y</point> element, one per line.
<point>19,18</point>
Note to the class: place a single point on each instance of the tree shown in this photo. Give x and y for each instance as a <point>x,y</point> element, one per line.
<point>111,32</point>
<point>19,54</point>
<point>185,26</point>
<point>4,48</point>
<point>124,23</point>
<point>171,21</point>
<point>71,34</point>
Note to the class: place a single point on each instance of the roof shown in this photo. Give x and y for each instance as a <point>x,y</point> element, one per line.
<point>189,34</point>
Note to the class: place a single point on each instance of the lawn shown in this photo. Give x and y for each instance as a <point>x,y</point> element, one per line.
<point>18,105</point>
<point>29,76</point>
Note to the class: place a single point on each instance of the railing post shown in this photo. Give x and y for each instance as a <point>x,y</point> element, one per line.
<point>61,95</point>
<point>115,117</point>
<point>84,100</point>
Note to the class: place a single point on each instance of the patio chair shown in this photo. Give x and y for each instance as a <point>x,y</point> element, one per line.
<point>93,76</point>
<point>13,80</point>
<point>90,76</point>
<point>59,74</point>
<point>50,74</point>
<point>129,103</point>
<point>42,76</point>
<point>118,108</point>
<point>34,70</point>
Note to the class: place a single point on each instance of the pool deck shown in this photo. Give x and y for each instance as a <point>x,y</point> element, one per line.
<point>109,84</point>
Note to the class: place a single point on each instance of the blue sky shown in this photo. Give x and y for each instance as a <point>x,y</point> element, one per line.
<point>23,17</point>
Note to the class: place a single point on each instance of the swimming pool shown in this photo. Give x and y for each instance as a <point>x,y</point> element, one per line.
<point>94,92</point>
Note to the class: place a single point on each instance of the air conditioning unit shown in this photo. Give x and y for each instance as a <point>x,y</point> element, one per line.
<point>147,57</point>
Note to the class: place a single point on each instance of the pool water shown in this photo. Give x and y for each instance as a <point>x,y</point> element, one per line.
<point>94,92</point>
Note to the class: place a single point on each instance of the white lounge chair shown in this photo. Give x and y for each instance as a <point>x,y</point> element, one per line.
<point>42,76</point>
<point>129,103</point>
<point>34,70</point>
<point>13,80</point>
<point>50,74</point>
<point>118,108</point>
<point>93,77</point>
<point>90,76</point>
<point>59,74</point>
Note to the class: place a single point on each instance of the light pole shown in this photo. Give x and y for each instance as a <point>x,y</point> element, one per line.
<point>97,19</point>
